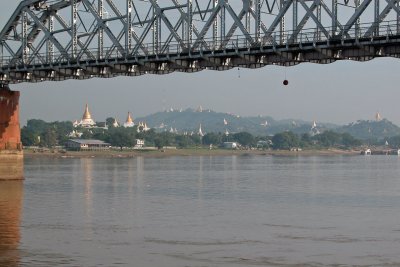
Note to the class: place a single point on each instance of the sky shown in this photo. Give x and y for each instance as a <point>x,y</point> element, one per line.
<point>341,92</point>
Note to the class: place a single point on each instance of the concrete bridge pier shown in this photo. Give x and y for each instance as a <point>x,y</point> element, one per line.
<point>11,154</point>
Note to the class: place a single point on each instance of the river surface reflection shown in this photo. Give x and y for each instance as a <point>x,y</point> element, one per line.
<point>11,193</point>
<point>204,211</point>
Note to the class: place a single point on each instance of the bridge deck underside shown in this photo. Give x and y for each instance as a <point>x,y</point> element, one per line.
<point>54,40</point>
<point>323,52</point>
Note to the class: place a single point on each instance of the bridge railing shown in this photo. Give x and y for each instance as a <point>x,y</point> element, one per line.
<point>312,35</point>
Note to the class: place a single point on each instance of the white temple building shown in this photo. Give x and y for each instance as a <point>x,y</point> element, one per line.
<point>200,132</point>
<point>129,121</point>
<point>86,121</point>
<point>142,127</point>
<point>314,130</point>
<point>378,117</point>
<point>75,134</point>
<point>115,123</point>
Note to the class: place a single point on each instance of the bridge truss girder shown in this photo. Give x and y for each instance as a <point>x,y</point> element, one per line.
<point>81,39</point>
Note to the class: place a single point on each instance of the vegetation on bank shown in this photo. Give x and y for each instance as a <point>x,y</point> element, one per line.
<point>42,134</point>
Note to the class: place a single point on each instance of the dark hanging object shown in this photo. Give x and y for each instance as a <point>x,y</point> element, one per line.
<point>285,82</point>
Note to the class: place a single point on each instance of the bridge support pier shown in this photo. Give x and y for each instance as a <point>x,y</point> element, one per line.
<point>11,154</point>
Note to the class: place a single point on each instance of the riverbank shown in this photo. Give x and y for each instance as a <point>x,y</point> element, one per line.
<point>182,152</point>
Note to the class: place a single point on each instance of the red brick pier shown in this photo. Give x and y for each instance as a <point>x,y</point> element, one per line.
<point>11,156</point>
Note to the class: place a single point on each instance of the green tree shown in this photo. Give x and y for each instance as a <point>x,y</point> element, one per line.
<point>349,141</point>
<point>121,137</point>
<point>87,134</point>
<point>101,134</point>
<point>196,139</point>
<point>244,138</point>
<point>227,138</point>
<point>28,138</point>
<point>285,140</point>
<point>305,140</point>
<point>328,139</point>
<point>62,130</point>
<point>37,126</point>
<point>159,142</point>
<point>394,141</point>
<point>49,138</point>
<point>183,141</point>
<point>110,122</point>
<point>212,139</point>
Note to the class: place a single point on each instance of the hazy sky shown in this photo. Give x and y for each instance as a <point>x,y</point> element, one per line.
<point>341,92</point>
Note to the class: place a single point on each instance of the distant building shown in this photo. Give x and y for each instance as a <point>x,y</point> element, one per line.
<point>230,145</point>
<point>129,121</point>
<point>86,121</point>
<point>75,134</point>
<point>314,130</point>
<point>264,144</point>
<point>139,143</point>
<point>115,123</point>
<point>142,127</point>
<point>378,117</point>
<point>200,132</point>
<point>173,131</point>
<point>86,144</point>
<point>367,152</point>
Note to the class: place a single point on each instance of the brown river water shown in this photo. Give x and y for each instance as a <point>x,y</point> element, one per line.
<point>203,211</point>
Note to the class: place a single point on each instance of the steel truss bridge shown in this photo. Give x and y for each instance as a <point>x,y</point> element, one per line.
<point>53,40</point>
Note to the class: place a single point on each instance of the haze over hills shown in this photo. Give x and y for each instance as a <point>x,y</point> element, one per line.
<point>189,120</point>
<point>366,129</point>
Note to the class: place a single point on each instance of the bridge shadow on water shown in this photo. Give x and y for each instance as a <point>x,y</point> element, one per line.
<point>11,195</point>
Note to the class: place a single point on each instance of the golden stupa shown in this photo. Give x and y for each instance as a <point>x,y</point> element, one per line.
<point>129,121</point>
<point>87,120</point>
<point>86,114</point>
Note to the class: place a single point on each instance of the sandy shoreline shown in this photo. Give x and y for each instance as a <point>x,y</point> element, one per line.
<point>183,152</point>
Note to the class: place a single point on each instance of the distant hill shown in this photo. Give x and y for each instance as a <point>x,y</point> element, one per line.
<point>363,129</point>
<point>189,120</point>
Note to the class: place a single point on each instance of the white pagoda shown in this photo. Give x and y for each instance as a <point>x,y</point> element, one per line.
<point>86,121</point>
<point>115,123</point>
<point>378,116</point>
<point>200,132</point>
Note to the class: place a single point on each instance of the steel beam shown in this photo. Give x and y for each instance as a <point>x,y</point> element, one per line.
<point>61,39</point>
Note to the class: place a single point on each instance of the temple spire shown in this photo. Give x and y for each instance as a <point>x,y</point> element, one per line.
<point>86,114</point>
<point>129,119</point>
<point>200,131</point>
<point>87,120</point>
<point>378,116</point>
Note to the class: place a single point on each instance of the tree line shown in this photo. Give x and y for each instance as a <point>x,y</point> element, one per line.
<point>44,134</point>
